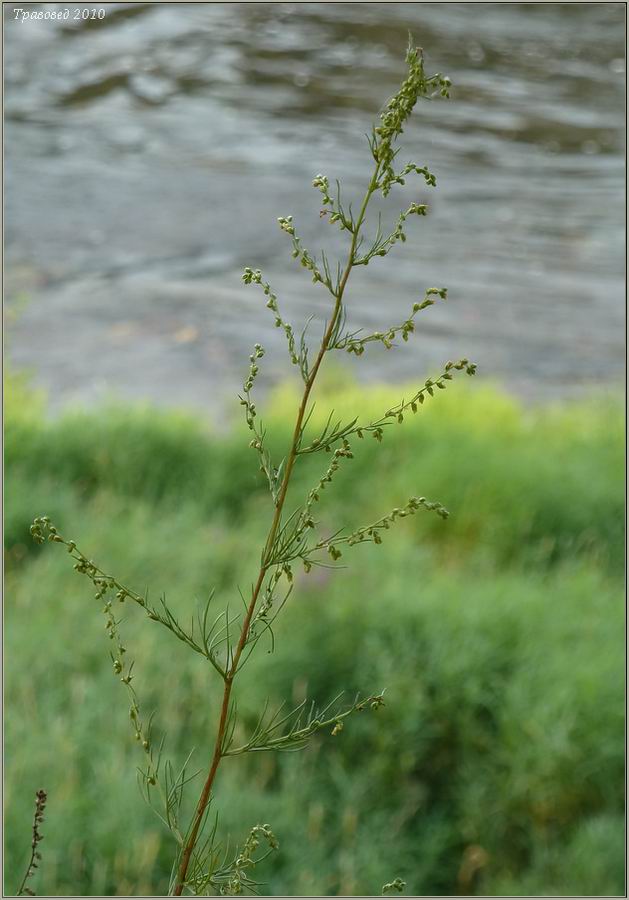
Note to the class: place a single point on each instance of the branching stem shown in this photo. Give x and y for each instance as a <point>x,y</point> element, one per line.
<point>232,669</point>
<point>198,863</point>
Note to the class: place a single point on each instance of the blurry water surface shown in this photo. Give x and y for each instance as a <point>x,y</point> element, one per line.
<point>148,155</point>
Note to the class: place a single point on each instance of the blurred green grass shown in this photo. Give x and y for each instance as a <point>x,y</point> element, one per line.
<point>497,764</point>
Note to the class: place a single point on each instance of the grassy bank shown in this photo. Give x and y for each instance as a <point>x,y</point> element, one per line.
<point>496,765</point>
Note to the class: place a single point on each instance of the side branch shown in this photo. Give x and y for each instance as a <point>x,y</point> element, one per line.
<point>267,555</point>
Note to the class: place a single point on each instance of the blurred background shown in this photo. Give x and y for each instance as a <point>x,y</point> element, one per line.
<point>148,155</point>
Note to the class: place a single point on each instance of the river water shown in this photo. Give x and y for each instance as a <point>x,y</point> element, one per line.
<point>149,153</point>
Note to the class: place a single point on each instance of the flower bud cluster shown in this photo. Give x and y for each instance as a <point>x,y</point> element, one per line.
<point>430,384</point>
<point>397,111</point>
<point>286,224</point>
<point>417,209</point>
<point>431,292</point>
<point>321,182</point>
<point>372,532</point>
<point>104,585</point>
<point>306,520</point>
<point>250,409</point>
<point>396,885</point>
<point>255,277</point>
<point>269,594</point>
<point>299,252</point>
<point>41,798</point>
<point>381,247</point>
<point>258,353</point>
<point>343,452</point>
<point>258,833</point>
<point>400,178</point>
<point>395,114</point>
<point>257,441</point>
<point>352,344</point>
<point>42,528</point>
<point>374,703</point>
<point>238,880</point>
<point>337,214</point>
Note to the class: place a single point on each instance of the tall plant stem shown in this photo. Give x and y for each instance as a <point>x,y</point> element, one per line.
<point>266,561</point>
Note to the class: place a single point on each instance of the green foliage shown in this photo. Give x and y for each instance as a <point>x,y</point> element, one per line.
<point>502,661</point>
<point>553,473</point>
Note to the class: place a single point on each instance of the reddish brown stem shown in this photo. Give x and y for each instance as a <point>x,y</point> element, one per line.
<point>290,462</point>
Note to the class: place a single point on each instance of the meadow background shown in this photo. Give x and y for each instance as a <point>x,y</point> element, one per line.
<point>497,764</point>
<point>139,183</point>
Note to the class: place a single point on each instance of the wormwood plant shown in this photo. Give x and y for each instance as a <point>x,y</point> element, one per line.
<point>225,640</point>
